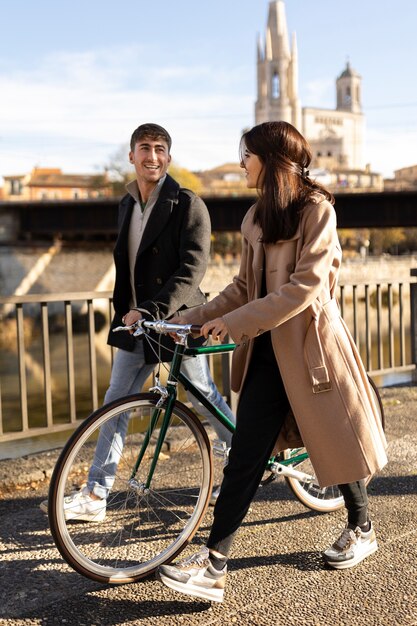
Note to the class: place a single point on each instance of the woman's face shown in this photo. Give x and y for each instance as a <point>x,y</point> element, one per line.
<point>253,167</point>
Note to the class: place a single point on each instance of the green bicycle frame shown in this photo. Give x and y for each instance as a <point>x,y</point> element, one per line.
<point>176,376</point>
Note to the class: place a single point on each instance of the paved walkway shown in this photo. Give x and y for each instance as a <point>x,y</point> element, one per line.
<point>276,574</point>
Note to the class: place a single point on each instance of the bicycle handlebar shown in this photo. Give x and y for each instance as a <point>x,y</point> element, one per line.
<point>160,326</point>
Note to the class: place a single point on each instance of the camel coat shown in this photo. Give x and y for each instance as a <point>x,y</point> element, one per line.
<point>327,386</point>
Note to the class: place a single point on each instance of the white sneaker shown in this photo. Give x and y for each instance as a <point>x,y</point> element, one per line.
<point>195,576</point>
<point>81,507</point>
<point>351,547</point>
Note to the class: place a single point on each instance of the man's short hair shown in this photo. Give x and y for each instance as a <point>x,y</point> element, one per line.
<point>153,131</point>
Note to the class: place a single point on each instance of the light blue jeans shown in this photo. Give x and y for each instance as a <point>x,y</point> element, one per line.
<point>129,374</point>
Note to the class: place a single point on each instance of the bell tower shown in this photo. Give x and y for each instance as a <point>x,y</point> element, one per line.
<point>277,70</point>
<point>348,89</point>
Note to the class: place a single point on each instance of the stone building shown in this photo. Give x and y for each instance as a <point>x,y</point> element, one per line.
<point>404,178</point>
<point>335,135</point>
<point>53,184</point>
<point>224,180</point>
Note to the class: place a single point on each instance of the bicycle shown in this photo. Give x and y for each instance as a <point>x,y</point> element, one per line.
<point>164,479</point>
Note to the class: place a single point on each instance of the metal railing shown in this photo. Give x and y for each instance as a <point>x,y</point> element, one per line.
<point>55,364</point>
<point>41,309</point>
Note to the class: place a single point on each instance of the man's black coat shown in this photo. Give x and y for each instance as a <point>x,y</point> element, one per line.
<point>170,263</point>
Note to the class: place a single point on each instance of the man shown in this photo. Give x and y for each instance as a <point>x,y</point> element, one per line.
<point>161,257</point>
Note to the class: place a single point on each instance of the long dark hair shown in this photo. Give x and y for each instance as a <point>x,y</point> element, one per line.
<point>285,187</point>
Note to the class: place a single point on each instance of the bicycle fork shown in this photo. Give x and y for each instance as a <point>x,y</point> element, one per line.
<point>166,400</point>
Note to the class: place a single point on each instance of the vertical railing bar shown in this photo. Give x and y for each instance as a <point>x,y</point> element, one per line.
<point>22,367</point>
<point>92,355</point>
<point>226,376</point>
<point>402,331</point>
<point>342,300</point>
<point>1,413</point>
<point>390,327</point>
<point>211,363</point>
<point>378,326</point>
<point>1,407</point>
<point>233,394</point>
<point>413,319</point>
<point>112,348</point>
<point>355,315</point>
<point>367,331</point>
<point>69,340</point>
<point>46,364</point>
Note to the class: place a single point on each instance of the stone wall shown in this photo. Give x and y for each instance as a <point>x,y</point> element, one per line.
<point>82,270</point>
<point>381,269</point>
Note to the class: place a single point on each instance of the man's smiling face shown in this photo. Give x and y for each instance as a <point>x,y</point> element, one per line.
<point>151,159</point>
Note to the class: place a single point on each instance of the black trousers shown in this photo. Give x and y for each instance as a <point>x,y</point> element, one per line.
<point>263,406</point>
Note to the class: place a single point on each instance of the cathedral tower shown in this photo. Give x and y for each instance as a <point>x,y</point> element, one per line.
<point>335,135</point>
<point>348,87</point>
<point>277,68</point>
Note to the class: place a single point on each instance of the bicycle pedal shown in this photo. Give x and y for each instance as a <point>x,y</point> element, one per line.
<point>268,480</point>
<point>220,449</point>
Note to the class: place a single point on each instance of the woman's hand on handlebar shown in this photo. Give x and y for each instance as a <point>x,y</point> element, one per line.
<point>217,328</point>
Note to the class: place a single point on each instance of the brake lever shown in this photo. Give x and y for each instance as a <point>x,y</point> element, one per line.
<point>138,329</point>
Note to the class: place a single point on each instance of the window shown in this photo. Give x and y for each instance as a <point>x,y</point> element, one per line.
<point>328,121</point>
<point>15,187</point>
<point>275,85</point>
<point>348,95</point>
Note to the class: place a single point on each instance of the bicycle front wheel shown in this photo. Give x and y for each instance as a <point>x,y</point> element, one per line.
<point>309,492</point>
<point>144,526</point>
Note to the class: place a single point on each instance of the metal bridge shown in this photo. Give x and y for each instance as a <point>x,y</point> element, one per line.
<point>97,219</point>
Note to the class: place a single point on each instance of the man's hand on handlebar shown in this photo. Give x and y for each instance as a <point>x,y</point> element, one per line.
<point>175,327</point>
<point>130,318</point>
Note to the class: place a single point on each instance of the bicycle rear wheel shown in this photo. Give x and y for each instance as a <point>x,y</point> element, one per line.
<point>310,493</point>
<point>143,528</point>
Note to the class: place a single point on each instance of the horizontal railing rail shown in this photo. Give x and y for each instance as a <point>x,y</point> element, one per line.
<point>55,362</point>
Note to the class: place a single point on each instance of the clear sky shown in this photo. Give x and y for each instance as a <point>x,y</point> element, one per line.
<point>76,77</point>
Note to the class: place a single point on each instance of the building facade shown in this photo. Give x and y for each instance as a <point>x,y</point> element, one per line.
<point>224,180</point>
<point>404,179</point>
<point>53,184</point>
<point>335,135</point>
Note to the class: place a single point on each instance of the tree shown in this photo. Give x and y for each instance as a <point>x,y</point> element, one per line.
<point>119,170</point>
<point>385,239</point>
<point>409,244</point>
<point>185,177</point>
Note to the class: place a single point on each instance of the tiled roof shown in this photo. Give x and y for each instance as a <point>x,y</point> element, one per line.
<point>63,180</point>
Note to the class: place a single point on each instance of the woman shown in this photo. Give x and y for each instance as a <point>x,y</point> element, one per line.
<point>299,375</point>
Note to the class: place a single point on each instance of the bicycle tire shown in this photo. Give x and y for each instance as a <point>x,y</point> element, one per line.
<point>140,531</point>
<point>310,494</point>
